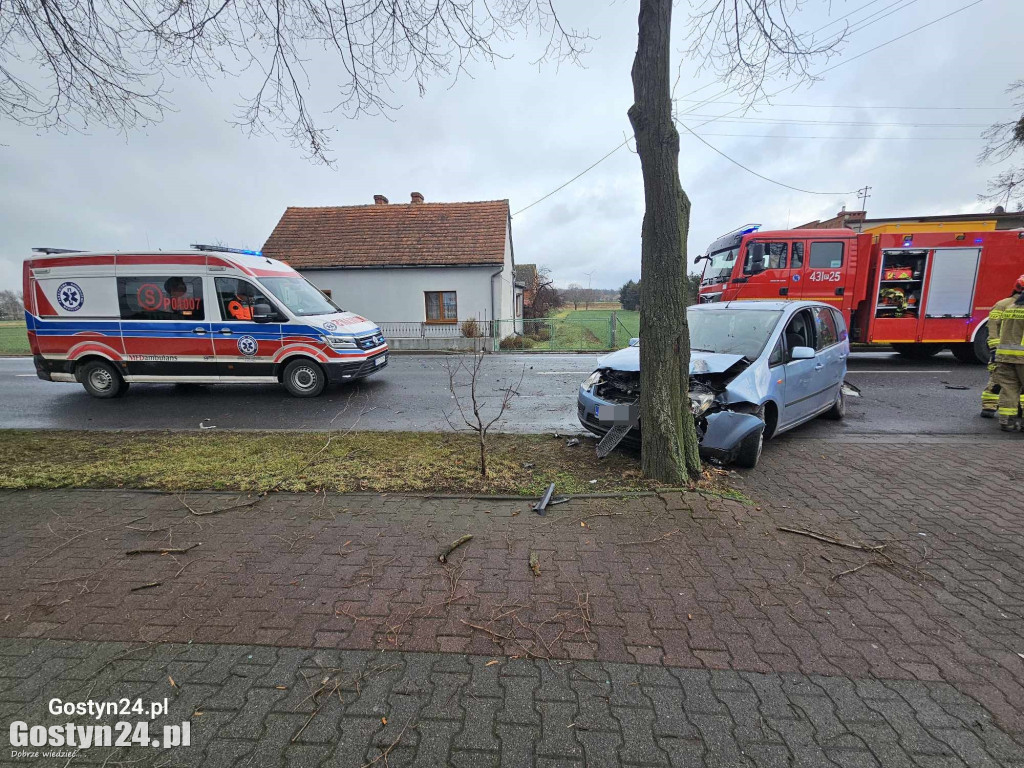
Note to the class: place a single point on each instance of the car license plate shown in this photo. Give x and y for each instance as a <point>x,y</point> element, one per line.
<point>381,360</point>
<point>616,414</point>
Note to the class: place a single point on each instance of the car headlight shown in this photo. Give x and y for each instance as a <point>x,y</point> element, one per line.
<point>340,342</point>
<point>700,402</point>
<point>592,380</point>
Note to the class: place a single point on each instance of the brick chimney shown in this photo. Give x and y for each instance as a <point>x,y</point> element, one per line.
<point>380,200</point>
<point>417,197</point>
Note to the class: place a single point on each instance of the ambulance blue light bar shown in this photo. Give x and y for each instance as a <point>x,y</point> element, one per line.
<point>225,249</point>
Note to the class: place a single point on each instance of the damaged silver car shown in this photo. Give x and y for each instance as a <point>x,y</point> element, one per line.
<point>757,369</point>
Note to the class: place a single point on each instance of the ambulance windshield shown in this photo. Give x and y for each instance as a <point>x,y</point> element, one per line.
<point>299,295</point>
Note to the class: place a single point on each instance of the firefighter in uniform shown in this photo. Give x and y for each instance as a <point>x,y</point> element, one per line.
<point>990,394</point>
<point>1006,329</point>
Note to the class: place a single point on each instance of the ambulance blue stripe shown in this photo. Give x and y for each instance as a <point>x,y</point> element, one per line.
<point>173,328</point>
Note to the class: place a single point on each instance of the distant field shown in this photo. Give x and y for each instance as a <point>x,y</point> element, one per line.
<point>584,329</point>
<point>13,340</point>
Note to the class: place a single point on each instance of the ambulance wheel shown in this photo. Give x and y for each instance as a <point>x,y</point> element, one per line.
<point>304,378</point>
<point>102,380</point>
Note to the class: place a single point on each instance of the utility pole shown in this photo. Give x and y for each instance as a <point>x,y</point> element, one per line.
<point>587,299</point>
<point>862,193</point>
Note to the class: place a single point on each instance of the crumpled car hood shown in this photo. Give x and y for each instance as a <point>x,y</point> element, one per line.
<point>628,359</point>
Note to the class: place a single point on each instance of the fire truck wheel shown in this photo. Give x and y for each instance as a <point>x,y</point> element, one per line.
<point>304,378</point>
<point>102,380</point>
<point>976,352</point>
<point>838,409</point>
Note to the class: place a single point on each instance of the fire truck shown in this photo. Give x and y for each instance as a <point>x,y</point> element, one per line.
<point>918,292</point>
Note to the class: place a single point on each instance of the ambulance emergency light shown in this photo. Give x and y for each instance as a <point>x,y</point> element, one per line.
<point>225,249</point>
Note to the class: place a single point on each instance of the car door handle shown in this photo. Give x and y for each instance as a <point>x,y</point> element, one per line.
<point>199,331</point>
<point>819,366</point>
<point>226,331</point>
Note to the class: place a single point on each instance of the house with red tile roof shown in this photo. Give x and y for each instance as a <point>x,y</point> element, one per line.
<point>417,262</point>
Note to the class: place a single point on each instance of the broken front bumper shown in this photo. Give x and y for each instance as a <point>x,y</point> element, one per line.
<point>720,433</point>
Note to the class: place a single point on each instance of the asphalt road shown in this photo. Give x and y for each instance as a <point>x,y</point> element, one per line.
<point>899,398</point>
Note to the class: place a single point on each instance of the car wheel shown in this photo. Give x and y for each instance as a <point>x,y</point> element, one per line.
<point>304,378</point>
<point>750,450</point>
<point>838,409</point>
<point>102,380</point>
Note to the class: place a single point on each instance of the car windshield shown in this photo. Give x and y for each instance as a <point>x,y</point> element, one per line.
<point>300,296</point>
<point>719,267</point>
<point>732,331</point>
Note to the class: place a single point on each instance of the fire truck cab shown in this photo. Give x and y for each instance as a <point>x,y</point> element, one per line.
<point>918,292</point>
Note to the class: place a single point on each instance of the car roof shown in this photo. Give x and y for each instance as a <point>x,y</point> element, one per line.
<point>761,304</point>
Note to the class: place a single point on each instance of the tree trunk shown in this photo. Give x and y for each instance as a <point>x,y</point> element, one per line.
<point>669,439</point>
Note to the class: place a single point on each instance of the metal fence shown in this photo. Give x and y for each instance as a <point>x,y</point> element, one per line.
<point>597,332</point>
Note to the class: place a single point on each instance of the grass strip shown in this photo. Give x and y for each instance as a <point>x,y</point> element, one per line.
<point>299,461</point>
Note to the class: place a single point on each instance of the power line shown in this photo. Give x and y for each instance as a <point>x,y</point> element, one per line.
<point>844,138</point>
<point>860,106</point>
<point>570,181</point>
<point>897,39</point>
<point>755,173</point>
<point>796,121</point>
<point>776,93</point>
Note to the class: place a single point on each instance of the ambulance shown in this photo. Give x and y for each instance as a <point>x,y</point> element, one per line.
<point>202,316</point>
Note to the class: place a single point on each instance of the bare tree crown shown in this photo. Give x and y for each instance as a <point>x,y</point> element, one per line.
<point>1002,140</point>
<point>66,64</point>
<point>745,43</point>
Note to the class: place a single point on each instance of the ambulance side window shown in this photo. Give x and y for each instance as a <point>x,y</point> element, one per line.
<point>237,298</point>
<point>160,297</point>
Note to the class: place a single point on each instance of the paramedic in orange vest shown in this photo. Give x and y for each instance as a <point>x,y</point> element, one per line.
<point>240,307</point>
<point>1006,336</point>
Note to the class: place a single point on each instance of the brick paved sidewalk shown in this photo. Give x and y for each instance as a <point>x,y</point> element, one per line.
<point>253,705</point>
<point>707,589</point>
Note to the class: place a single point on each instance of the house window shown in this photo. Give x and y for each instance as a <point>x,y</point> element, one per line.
<point>441,307</point>
<point>519,305</point>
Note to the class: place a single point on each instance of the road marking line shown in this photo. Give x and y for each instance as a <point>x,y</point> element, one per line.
<point>24,375</point>
<point>563,373</point>
<point>854,370</point>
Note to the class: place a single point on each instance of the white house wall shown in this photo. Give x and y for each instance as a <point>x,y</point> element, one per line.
<point>396,295</point>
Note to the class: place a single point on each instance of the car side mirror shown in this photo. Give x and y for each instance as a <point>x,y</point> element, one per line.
<point>756,258</point>
<point>263,313</point>
<point>801,353</point>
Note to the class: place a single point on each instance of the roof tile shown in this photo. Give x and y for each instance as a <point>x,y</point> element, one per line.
<point>410,234</point>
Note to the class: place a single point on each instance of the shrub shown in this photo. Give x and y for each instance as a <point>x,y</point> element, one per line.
<point>540,333</point>
<point>471,328</point>
<point>516,342</point>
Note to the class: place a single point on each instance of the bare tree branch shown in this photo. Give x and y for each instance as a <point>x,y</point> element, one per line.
<point>475,401</point>
<point>745,43</point>
<point>66,64</point>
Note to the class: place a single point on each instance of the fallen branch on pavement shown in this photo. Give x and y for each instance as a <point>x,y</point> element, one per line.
<point>387,750</point>
<point>839,575</point>
<point>830,540</point>
<point>443,556</point>
<point>146,586</point>
<point>647,541</point>
<point>162,550</point>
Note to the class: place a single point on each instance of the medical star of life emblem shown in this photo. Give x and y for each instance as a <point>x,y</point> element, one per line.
<point>70,296</point>
<point>248,346</point>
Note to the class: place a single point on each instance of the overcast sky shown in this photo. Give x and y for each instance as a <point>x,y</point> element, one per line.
<point>518,131</point>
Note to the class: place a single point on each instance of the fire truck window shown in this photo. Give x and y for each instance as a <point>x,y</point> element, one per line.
<point>798,256</point>
<point>826,256</point>
<point>826,327</point>
<point>162,297</point>
<point>774,256</point>
<point>237,298</point>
